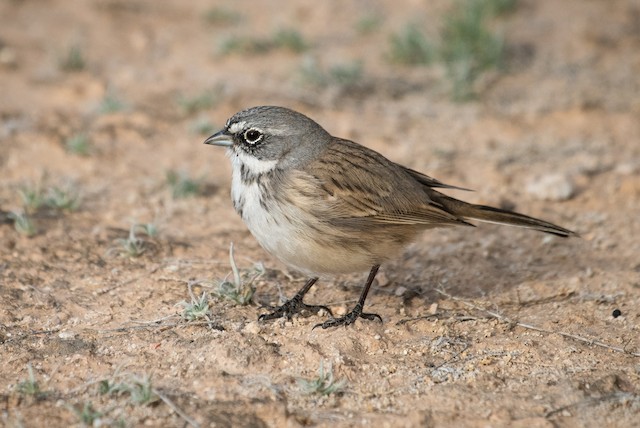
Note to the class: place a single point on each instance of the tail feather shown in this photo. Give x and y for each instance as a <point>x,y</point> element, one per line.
<point>496,215</point>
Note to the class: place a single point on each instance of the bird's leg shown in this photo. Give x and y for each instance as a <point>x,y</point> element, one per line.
<point>295,305</point>
<point>356,312</point>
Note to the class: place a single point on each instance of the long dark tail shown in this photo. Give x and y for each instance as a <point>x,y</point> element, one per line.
<point>496,215</point>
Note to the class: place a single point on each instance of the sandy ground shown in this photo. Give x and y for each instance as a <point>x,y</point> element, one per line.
<point>490,326</point>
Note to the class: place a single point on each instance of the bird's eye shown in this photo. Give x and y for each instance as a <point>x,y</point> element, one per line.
<point>253,136</point>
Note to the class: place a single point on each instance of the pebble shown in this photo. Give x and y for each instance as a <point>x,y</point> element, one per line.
<point>382,279</point>
<point>251,328</point>
<point>400,291</point>
<point>66,335</point>
<point>628,168</point>
<point>433,309</point>
<point>551,187</point>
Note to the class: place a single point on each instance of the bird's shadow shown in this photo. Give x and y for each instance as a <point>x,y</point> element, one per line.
<point>481,263</point>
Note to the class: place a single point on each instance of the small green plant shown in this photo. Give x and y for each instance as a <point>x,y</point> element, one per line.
<point>368,23</point>
<point>291,39</point>
<point>22,223</point>
<point>65,198</point>
<point>244,45</point>
<point>87,414</point>
<point>131,246</point>
<point>73,59</point>
<point>78,144</point>
<point>30,386</point>
<point>149,229</point>
<point>499,7</point>
<point>468,46</point>
<point>411,47</point>
<point>111,103</point>
<point>197,308</point>
<point>346,74</point>
<point>203,101</point>
<point>32,197</point>
<point>106,386</point>
<point>139,389</point>
<point>61,198</point>
<point>323,384</point>
<point>219,15</point>
<point>240,289</point>
<point>134,245</point>
<point>182,185</point>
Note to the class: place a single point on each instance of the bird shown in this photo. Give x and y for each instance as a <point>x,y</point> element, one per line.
<point>325,205</point>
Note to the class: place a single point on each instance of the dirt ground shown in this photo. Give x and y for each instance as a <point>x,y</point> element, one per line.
<point>492,326</point>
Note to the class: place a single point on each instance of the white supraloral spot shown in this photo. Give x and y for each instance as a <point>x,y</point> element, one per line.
<point>236,127</point>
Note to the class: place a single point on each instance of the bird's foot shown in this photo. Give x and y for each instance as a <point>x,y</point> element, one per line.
<point>349,318</point>
<point>292,307</point>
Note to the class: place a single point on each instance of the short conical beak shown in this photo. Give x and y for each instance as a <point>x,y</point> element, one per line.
<point>220,138</point>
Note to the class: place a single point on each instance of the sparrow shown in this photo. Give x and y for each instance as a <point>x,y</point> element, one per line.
<point>324,205</point>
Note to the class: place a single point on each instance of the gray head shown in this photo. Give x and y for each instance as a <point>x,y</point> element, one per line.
<point>270,133</point>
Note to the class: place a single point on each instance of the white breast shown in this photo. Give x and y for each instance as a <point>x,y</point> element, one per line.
<point>272,229</point>
<point>283,230</point>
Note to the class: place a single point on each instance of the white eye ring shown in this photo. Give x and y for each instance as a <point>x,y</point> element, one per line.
<point>253,136</point>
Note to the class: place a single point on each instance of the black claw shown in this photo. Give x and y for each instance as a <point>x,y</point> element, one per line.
<point>292,307</point>
<point>371,317</point>
<point>348,319</point>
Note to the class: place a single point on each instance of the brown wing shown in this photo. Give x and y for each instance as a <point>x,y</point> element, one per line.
<point>361,188</point>
<point>430,181</point>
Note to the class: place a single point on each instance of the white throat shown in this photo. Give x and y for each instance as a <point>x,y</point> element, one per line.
<point>246,195</point>
<point>253,164</point>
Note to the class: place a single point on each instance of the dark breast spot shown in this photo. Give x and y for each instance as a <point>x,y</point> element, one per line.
<point>238,205</point>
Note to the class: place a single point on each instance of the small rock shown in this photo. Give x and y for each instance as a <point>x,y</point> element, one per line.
<point>382,279</point>
<point>627,168</point>
<point>433,309</point>
<point>251,328</point>
<point>66,335</point>
<point>172,268</point>
<point>551,187</point>
<point>400,291</point>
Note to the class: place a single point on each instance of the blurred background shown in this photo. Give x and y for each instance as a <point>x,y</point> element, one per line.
<point>110,204</point>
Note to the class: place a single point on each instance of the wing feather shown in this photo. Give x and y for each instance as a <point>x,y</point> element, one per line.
<point>360,188</point>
